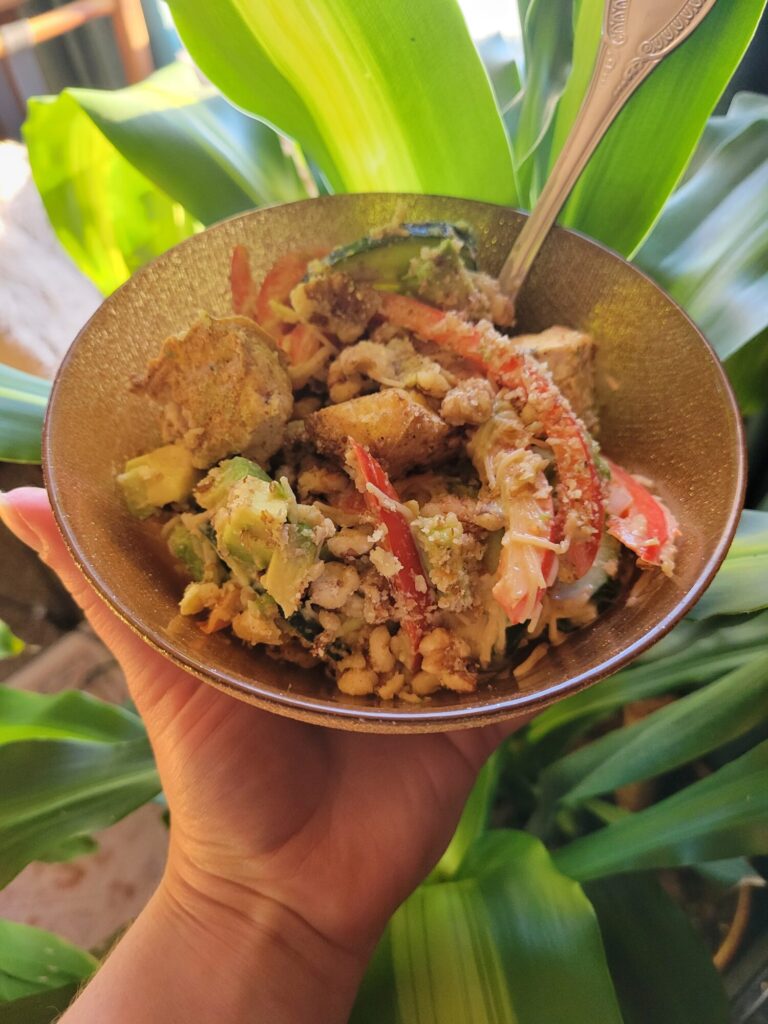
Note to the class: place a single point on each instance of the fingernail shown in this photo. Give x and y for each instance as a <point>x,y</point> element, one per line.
<point>18,525</point>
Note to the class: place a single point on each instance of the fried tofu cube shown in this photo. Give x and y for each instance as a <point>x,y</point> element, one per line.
<point>570,357</point>
<point>400,431</point>
<point>222,388</point>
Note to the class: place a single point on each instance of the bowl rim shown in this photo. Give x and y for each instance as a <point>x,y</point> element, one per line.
<point>394,718</point>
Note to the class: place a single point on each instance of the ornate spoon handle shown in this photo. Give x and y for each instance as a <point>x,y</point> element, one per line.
<point>637,35</point>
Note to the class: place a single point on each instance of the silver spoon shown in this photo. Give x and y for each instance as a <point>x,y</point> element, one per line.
<point>637,36</point>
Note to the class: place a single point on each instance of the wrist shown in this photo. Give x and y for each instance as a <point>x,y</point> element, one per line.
<point>265,953</point>
<point>207,951</point>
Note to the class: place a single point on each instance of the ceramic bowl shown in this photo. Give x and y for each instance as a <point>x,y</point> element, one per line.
<point>666,411</point>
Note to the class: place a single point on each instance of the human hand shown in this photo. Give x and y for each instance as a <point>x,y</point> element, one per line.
<point>301,837</point>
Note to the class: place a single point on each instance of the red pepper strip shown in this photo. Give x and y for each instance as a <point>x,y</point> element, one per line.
<point>277,287</point>
<point>644,525</point>
<point>241,283</point>
<point>579,490</point>
<point>399,542</point>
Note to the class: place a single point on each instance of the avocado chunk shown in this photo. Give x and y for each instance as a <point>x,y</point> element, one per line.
<point>213,489</point>
<point>185,547</point>
<point>248,525</point>
<point>189,542</point>
<point>384,260</point>
<point>260,540</point>
<point>162,477</point>
<point>290,568</point>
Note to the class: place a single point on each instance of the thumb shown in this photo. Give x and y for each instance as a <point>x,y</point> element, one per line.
<point>27,513</point>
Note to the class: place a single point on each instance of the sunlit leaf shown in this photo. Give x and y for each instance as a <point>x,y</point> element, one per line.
<point>109,217</point>
<point>741,583</point>
<point>500,58</point>
<point>33,960</point>
<point>661,968</point>
<point>384,97</point>
<point>539,918</point>
<point>473,821</point>
<point>639,162</point>
<point>723,815</point>
<point>23,399</point>
<point>486,947</point>
<point>200,150</point>
<point>124,174</point>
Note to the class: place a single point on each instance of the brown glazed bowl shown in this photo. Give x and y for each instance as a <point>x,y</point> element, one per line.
<point>666,411</point>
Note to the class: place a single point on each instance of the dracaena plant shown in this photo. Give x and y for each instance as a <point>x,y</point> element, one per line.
<point>550,914</point>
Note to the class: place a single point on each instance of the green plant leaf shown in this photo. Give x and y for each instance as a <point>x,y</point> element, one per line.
<point>69,849</point>
<point>486,946</point>
<point>41,1008</point>
<point>678,733</point>
<point>661,968</point>
<point>33,960</point>
<point>443,963</point>
<point>548,41</point>
<point>384,97</point>
<point>69,715</point>
<point>642,157</point>
<point>709,249</point>
<point>10,645</point>
<point>729,873</point>
<point>539,918</point>
<point>741,584</point>
<point>498,57</point>
<point>109,217</point>
<point>56,789</point>
<point>473,821</point>
<point>704,652</point>
<point>156,158</point>
<point>748,373</point>
<point>198,149</point>
<point>724,815</point>
<point>23,398</point>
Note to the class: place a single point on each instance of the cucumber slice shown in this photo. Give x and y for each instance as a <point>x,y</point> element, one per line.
<point>384,261</point>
